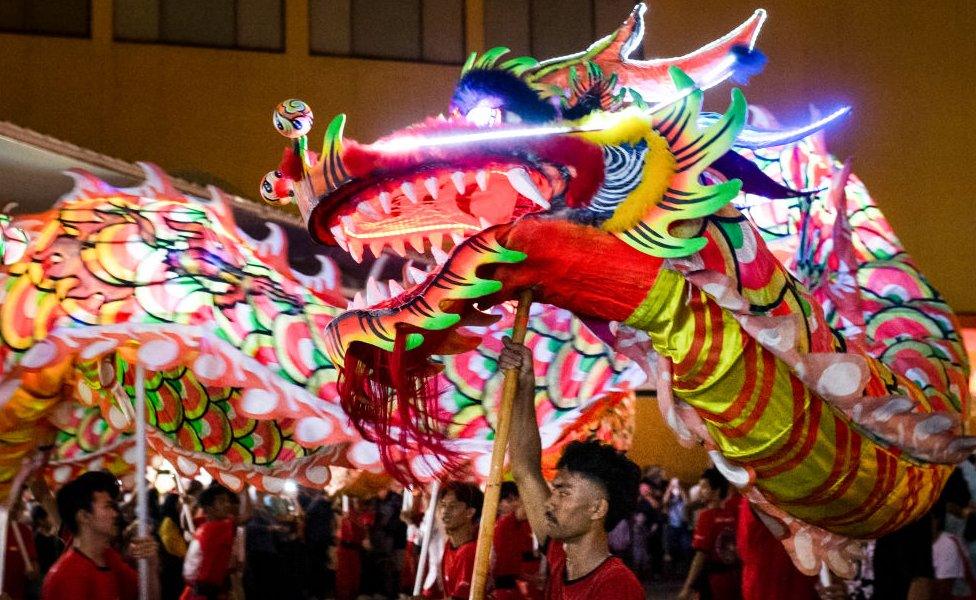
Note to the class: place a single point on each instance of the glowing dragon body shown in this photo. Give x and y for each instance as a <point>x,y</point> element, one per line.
<point>618,202</point>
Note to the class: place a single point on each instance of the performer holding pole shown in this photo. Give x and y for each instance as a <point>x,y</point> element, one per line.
<point>486,530</point>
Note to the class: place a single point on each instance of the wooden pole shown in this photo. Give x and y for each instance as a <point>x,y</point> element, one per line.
<point>486,531</point>
<point>187,511</point>
<point>142,493</point>
<point>426,529</point>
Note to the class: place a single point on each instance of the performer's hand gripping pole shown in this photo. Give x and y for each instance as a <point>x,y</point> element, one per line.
<point>486,531</point>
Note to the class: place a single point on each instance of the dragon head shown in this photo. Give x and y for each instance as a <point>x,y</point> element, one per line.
<point>575,177</point>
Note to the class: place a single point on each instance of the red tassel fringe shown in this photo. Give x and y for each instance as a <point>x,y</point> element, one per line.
<point>392,397</point>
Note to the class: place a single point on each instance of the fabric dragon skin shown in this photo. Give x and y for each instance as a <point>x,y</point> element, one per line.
<point>238,381</point>
<point>596,181</point>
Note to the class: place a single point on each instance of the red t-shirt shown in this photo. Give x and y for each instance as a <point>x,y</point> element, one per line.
<point>207,559</point>
<point>767,570</point>
<point>715,535</point>
<point>77,577</point>
<point>515,559</point>
<point>612,580</point>
<point>15,569</point>
<point>457,569</point>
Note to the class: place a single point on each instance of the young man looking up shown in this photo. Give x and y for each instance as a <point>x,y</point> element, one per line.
<point>460,511</point>
<point>594,488</point>
<point>91,569</point>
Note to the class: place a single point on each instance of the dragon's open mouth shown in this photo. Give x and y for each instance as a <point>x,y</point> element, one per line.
<point>427,211</point>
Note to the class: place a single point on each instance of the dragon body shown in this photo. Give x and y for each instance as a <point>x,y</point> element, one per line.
<point>789,331</point>
<point>238,381</point>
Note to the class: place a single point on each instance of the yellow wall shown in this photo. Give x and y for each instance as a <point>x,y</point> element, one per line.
<point>655,444</point>
<point>906,67</point>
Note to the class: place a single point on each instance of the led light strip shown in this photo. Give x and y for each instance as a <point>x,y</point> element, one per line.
<point>407,143</point>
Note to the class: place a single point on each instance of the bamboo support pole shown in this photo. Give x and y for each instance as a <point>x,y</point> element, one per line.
<point>486,530</point>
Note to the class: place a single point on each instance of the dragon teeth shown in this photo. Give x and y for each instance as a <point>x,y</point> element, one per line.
<point>385,202</point>
<point>457,236</point>
<point>440,257</point>
<point>357,302</point>
<point>395,288</point>
<point>432,188</point>
<point>458,178</point>
<point>436,239</point>
<point>417,243</point>
<point>415,275</point>
<point>375,292</point>
<point>376,248</point>
<point>522,182</point>
<point>355,250</point>
<point>481,177</point>
<point>340,236</point>
<point>409,192</point>
<point>367,209</point>
<point>484,223</point>
<point>347,222</point>
<point>398,247</point>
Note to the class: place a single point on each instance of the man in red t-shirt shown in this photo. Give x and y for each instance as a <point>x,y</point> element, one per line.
<point>91,569</point>
<point>767,570</point>
<point>594,488</point>
<point>209,559</point>
<point>716,552</point>
<point>516,570</point>
<point>459,510</point>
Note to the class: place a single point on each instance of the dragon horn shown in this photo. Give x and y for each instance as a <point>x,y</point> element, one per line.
<point>649,77</point>
<point>335,174</point>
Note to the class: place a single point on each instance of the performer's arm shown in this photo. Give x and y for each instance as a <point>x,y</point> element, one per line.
<point>525,445</point>
<point>694,572</point>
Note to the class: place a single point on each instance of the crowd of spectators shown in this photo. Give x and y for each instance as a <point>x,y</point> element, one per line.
<point>698,541</point>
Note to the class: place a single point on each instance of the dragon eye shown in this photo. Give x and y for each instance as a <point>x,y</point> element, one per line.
<point>484,115</point>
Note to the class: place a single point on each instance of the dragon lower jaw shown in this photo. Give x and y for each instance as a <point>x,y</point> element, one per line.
<point>579,268</point>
